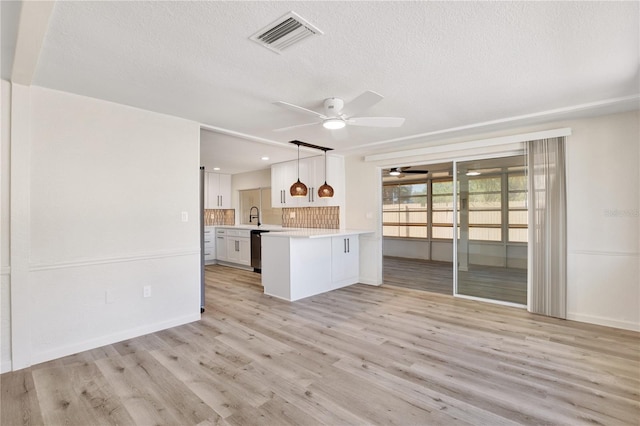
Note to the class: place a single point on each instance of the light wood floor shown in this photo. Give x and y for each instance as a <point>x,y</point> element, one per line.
<point>358,355</point>
<point>505,284</point>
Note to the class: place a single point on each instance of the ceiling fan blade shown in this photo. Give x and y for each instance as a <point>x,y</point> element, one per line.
<point>418,172</point>
<point>299,109</point>
<point>283,129</point>
<point>361,103</point>
<point>376,121</point>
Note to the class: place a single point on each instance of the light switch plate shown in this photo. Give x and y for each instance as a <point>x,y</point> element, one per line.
<point>185,216</point>
<point>146,291</point>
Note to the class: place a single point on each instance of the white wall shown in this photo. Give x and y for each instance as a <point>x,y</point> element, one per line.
<point>603,202</point>
<point>603,221</point>
<point>97,195</point>
<point>5,275</point>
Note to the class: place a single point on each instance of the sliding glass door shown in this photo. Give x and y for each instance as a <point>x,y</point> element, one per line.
<point>491,244</point>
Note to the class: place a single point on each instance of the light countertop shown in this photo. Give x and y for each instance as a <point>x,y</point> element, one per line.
<point>281,232</point>
<point>261,227</point>
<point>313,233</point>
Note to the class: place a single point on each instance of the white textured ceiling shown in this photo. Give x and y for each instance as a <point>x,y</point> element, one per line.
<point>441,65</point>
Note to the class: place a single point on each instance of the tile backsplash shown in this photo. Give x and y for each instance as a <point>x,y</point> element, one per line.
<point>214,217</point>
<point>311,217</point>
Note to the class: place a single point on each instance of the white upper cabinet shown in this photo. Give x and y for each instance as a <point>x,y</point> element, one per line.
<point>334,177</point>
<point>217,191</point>
<point>283,175</point>
<point>312,174</point>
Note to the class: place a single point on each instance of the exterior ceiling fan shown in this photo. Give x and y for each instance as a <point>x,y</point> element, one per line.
<point>401,171</point>
<point>337,115</point>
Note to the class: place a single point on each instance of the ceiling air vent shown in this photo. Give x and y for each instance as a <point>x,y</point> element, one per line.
<point>285,32</point>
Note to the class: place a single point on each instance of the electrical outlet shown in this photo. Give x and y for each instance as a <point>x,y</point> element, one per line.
<point>292,215</point>
<point>146,291</point>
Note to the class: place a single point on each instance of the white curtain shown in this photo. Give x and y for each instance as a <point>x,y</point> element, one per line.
<point>547,227</point>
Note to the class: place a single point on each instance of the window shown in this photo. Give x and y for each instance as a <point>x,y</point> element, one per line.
<point>496,202</point>
<point>404,210</point>
<point>261,198</point>
<point>485,208</point>
<point>518,219</point>
<point>442,209</point>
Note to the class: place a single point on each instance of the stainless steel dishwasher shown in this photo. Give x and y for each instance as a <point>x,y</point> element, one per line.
<point>256,249</point>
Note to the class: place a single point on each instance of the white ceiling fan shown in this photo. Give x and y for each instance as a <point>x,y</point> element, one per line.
<point>337,115</point>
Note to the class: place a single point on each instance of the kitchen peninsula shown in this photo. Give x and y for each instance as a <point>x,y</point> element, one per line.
<point>305,262</point>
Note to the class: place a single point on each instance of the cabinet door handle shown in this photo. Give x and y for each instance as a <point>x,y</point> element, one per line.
<point>284,197</point>
<point>344,241</point>
<point>348,246</point>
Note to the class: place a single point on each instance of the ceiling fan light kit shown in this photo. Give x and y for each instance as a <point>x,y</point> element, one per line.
<point>333,123</point>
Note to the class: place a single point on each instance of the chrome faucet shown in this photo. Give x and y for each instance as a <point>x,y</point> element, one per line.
<point>254,216</point>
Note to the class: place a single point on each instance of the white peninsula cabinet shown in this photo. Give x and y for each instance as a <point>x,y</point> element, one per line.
<point>303,263</point>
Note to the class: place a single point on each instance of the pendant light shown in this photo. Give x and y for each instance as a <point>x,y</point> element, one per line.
<point>298,189</point>
<point>325,190</point>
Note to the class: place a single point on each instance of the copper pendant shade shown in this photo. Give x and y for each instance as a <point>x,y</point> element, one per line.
<point>298,189</point>
<point>325,190</point>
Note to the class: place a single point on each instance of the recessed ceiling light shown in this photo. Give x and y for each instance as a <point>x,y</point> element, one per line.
<point>265,158</point>
<point>473,173</point>
<point>216,168</point>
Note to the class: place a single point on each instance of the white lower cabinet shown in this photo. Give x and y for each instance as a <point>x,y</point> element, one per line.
<point>221,244</point>
<point>239,250</point>
<point>345,260</point>
<point>209,245</point>
<point>233,246</point>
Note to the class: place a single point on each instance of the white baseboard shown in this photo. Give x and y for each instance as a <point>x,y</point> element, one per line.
<point>112,338</point>
<point>5,367</point>
<point>608,322</point>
